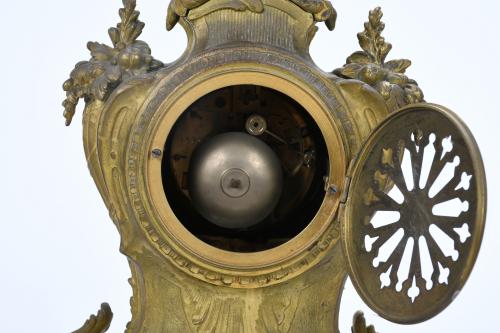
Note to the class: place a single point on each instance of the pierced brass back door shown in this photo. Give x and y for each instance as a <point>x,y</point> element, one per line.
<point>415,211</point>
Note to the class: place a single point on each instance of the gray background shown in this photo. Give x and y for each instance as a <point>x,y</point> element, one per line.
<point>59,250</point>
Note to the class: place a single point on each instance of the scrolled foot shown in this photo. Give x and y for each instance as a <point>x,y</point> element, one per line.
<point>98,323</point>
<point>359,324</point>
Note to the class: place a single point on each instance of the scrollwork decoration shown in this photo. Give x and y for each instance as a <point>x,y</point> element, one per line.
<point>371,67</point>
<point>322,10</point>
<point>98,323</point>
<point>109,66</point>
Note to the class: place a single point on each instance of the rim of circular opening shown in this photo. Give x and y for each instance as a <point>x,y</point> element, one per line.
<point>204,84</point>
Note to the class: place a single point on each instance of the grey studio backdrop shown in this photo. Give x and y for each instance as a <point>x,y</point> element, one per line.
<point>58,247</point>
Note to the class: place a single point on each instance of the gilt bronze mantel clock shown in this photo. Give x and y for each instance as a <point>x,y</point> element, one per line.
<point>247,184</point>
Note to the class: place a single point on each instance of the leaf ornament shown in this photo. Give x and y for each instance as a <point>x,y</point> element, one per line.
<point>109,66</point>
<point>370,66</point>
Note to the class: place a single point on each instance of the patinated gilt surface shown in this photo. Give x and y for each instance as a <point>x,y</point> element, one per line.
<point>370,66</point>
<point>132,101</point>
<point>403,181</point>
<point>98,323</point>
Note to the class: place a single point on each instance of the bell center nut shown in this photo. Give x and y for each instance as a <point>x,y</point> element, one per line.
<point>235,183</point>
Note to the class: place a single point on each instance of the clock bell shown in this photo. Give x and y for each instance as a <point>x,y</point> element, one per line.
<point>247,184</point>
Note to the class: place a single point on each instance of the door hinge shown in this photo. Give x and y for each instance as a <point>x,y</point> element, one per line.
<point>345,190</point>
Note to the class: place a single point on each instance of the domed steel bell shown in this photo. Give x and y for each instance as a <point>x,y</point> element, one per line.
<point>235,180</point>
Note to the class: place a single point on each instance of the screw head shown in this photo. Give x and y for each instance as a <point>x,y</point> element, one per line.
<point>156,153</point>
<point>332,189</point>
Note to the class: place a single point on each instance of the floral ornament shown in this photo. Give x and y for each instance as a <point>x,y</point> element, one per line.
<point>109,66</point>
<point>322,10</point>
<point>370,66</point>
